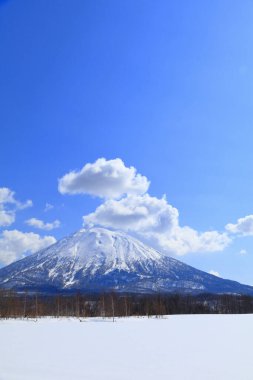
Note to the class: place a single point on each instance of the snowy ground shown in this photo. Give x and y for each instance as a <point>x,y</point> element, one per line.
<point>175,348</point>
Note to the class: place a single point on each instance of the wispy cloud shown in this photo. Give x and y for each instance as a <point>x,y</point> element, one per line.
<point>40,224</point>
<point>48,207</point>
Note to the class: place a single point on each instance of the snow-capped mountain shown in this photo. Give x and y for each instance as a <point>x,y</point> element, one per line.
<point>98,259</point>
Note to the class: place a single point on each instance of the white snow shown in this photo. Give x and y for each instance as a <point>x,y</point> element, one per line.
<point>217,347</point>
<point>89,249</point>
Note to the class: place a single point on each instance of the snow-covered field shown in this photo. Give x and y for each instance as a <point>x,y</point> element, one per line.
<point>190,347</point>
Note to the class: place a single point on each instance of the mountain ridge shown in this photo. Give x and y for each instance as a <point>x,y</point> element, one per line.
<point>98,259</point>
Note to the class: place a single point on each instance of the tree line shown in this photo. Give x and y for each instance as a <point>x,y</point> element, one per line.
<point>26,305</point>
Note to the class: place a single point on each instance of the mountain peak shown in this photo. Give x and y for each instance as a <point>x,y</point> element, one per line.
<point>89,247</point>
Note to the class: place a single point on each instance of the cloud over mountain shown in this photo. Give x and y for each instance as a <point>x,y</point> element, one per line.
<point>214,273</point>
<point>136,213</point>
<point>105,179</point>
<point>126,205</point>
<point>151,219</point>
<point>157,223</point>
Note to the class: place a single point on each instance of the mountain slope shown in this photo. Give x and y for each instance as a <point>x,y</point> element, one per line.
<point>98,259</point>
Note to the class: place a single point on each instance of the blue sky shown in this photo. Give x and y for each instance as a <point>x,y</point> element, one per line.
<point>165,86</point>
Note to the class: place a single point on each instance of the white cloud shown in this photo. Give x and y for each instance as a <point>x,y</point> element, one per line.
<point>183,240</point>
<point>136,213</point>
<point>9,206</point>
<point>243,226</point>
<point>214,273</point>
<point>129,207</point>
<point>37,223</point>
<point>22,206</point>
<point>105,179</point>
<point>243,252</point>
<point>6,195</point>
<point>6,217</point>
<point>157,223</point>
<point>15,245</point>
<point>48,207</point>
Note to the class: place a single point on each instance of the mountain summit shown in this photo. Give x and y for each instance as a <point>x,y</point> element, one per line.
<point>98,259</point>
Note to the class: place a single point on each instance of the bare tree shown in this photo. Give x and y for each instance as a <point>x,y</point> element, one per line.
<point>113,307</point>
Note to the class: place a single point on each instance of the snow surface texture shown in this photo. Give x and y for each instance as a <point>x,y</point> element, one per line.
<point>217,347</point>
<point>98,259</point>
